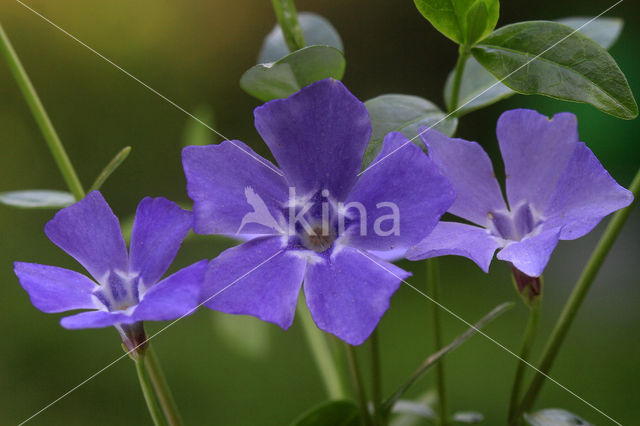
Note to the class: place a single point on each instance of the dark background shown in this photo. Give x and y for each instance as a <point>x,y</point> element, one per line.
<point>235,371</point>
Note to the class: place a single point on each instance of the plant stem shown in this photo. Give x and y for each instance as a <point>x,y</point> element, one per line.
<point>288,19</point>
<point>433,359</point>
<point>433,288</point>
<point>527,343</point>
<point>576,298</point>
<point>41,117</point>
<point>321,354</point>
<point>358,384</point>
<point>463,55</point>
<point>161,387</point>
<point>147,391</point>
<point>376,380</point>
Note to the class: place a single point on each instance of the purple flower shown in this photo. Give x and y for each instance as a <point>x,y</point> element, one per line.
<point>126,288</point>
<point>318,221</point>
<point>556,189</point>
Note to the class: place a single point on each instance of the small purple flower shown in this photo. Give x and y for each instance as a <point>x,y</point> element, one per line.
<point>127,287</point>
<point>318,221</point>
<point>556,189</point>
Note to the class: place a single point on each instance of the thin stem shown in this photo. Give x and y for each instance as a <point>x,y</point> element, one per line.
<point>358,384</point>
<point>321,354</point>
<point>463,55</point>
<point>433,359</point>
<point>527,343</point>
<point>288,19</point>
<point>376,380</point>
<point>147,391</point>
<point>576,298</point>
<point>433,288</point>
<point>41,117</point>
<point>161,387</point>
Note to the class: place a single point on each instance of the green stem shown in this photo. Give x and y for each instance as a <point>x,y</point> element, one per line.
<point>41,117</point>
<point>161,387</point>
<point>376,380</point>
<point>527,343</point>
<point>577,297</point>
<point>147,391</point>
<point>321,354</point>
<point>433,289</point>
<point>358,384</point>
<point>463,55</point>
<point>288,19</point>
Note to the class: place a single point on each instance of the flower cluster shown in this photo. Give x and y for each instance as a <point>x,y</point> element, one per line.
<point>317,218</point>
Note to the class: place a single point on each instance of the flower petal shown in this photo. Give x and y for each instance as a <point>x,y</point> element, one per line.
<point>535,150</point>
<point>258,278</point>
<point>228,183</point>
<point>90,232</point>
<point>531,254</point>
<point>348,292</point>
<point>176,296</point>
<point>406,184</point>
<point>585,194</point>
<point>54,289</point>
<point>96,319</point>
<point>318,136</point>
<point>469,170</point>
<point>457,239</point>
<point>158,230</point>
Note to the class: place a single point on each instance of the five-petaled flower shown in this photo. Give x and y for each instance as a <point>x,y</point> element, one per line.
<point>556,190</point>
<point>127,287</point>
<point>324,224</point>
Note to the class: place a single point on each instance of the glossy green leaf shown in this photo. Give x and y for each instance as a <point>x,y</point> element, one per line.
<point>604,31</point>
<point>467,417</point>
<point>334,413</point>
<point>37,199</point>
<point>247,336</point>
<point>195,133</point>
<point>317,31</point>
<point>548,58</point>
<point>110,168</point>
<point>293,72</point>
<point>480,88</point>
<point>555,417</point>
<point>406,114</point>
<point>453,18</point>
<point>414,408</point>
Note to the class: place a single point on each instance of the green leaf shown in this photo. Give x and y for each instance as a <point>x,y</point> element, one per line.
<point>316,30</point>
<point>467,417</point>
<point>405,114</point>
<point>37,199</point>
<point>567,66</point>
<point>461,20</point>
<point>195,133</point>
<point>245,335</point>
<point>604,31</point>
<point>555,417</point>
<point>110,168</point>
<point>480,88</point>
<point>335,413</point>
<point>293,72</point>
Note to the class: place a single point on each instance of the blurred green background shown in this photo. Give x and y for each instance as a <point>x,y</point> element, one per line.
<point>194,52</point>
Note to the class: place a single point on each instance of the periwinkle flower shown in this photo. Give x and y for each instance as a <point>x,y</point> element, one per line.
<point>126,288</point>
<point>556,190</point>
<point>317,220</point>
